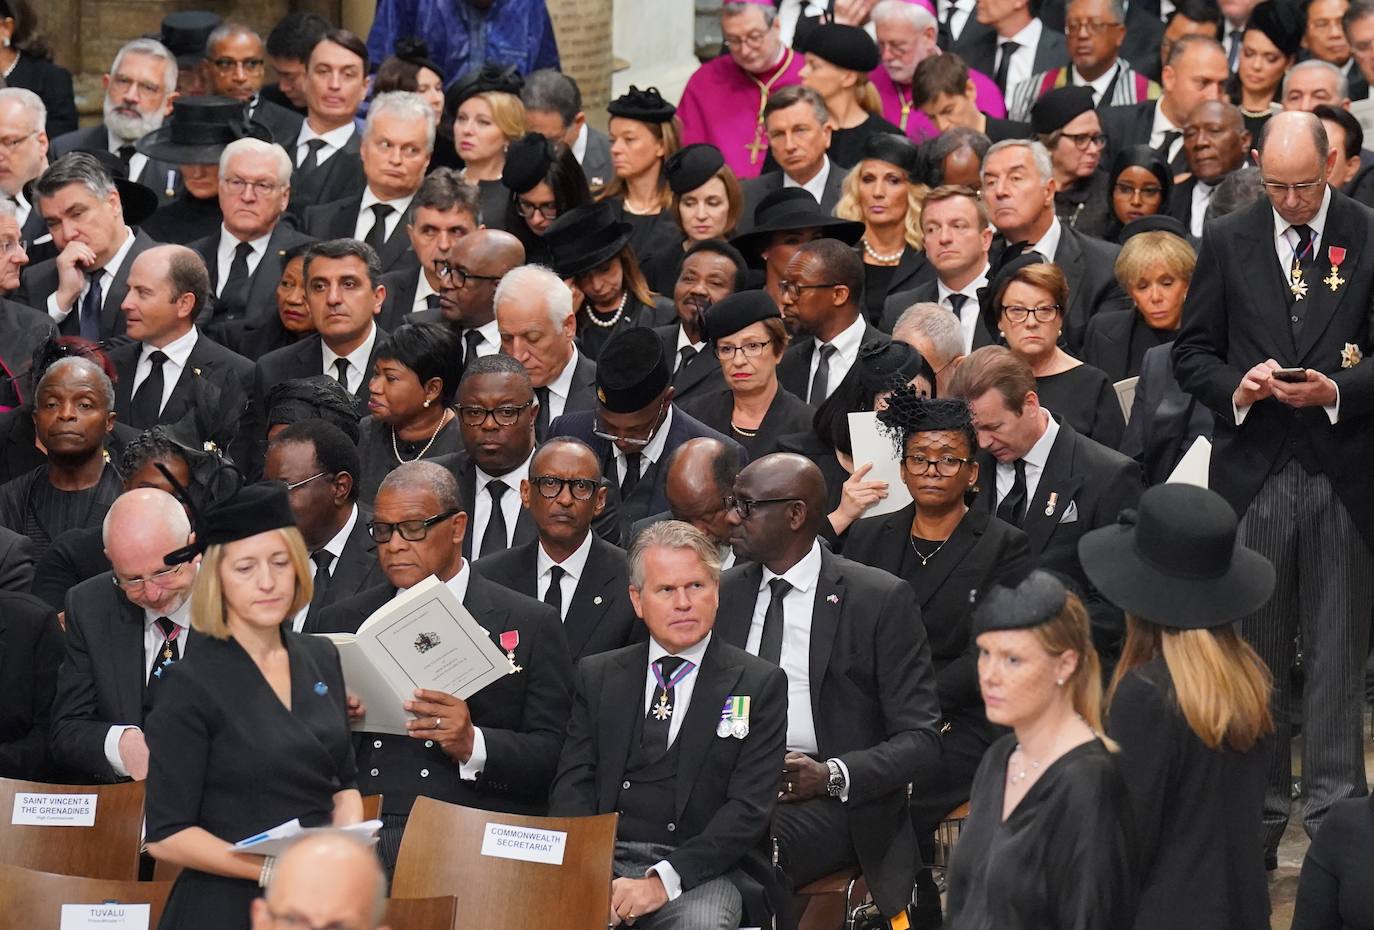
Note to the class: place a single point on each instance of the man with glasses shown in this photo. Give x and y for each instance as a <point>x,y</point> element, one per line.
<point>444,210</point>
<point>1216,144</point>
<point>1017,44</point>
<point>569,567</point>
<point>635,426</point>
<point>318,464</point>
<point>123,628</point>
<point>397,141</point>
<point>235,66</point>
<point>468,281</point>
<point>498,750</point>
<point>862,716</point>
<point>23,156</point>
<point>724,99</point>
<point>1275,328</point>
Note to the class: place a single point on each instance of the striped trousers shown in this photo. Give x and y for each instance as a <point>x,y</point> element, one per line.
<point>1325,592</point>
<point>715,904</point>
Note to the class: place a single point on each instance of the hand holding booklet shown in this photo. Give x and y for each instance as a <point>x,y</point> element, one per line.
<point>421,638</point>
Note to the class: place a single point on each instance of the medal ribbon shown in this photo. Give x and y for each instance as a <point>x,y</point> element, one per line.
<point>510,639</point>
<point>736,708</point>
<point>683,671</point>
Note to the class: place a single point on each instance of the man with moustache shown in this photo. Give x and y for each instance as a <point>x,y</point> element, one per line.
<point>235,67</point>
<point>711,271</point>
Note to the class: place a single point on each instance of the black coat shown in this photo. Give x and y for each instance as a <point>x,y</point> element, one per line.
<point>700,376</point>
<point>22,330</point>
<point>262,285</point>
<point>979,51</point>
<point>18,454</point>
<point>338,219</point>
<point>353,572</point>
<point>596,160</point>
<point>1116,343</point>
<point>40,281</point>
<point>600,616</point>
<point>794,371</point>
<point>401,286</point>
<point>787,414</point>
<point>304,359</point>
<point>282,123</point>
<point>97,139</point>
<point>53,85</point>
<point>73,557</point>
<point>522,716</point>
<point>228,372</point>
<point>30,653</point>
<point>16,562</point>
<point>340,176</point>
<point>1129,125</point>
<point>1164,419</point>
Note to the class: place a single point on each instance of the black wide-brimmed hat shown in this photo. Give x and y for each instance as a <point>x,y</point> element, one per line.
<point>139,200</point>
<point>199,129</point>
<point>185,33</point>
<point>1175,561</point>
<point>789,208</point>
<point>584,238</point>
<point>631,372</point>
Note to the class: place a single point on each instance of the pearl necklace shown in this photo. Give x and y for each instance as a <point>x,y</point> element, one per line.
<point>397,451</point>
<point>10,70</point>
<point>1018,777</point>
<point>881,259</point>
<point>926,558</point>
<point>607,324</point>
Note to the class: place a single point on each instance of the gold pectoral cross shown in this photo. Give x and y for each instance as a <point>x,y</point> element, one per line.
<point>1334,279</point>
<point>758,145</point>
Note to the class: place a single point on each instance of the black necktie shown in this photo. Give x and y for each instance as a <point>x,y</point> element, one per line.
<point>494,537</point>
<point>820,381</point>
<point>684,355</point>
<point>1299,273</point>
<point>1233,53</point>
<point>323,559</point>
<point>554,596</point>
<point>956,303</point>
<point>471,338</point>
<point>233,297</point>
<point>1008,49</point>
<point>770,643</point>
<point>376,236</point>
<point>1179,161</point>
<point>166,653</point>
<point>433,302</point>
<point>126,154</point>
<point>311,161</point>
<point>631,479</point>
<point>1013,507</point>
<point>89,314</point>
<point>147,400</point>
<point>658,721</point>
<point>341,371</point>
<point>541,420</point>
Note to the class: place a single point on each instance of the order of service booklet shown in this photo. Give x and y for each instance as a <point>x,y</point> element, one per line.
<point>421,638</point>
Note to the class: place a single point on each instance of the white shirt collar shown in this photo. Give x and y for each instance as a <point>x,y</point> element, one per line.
<point>1318,223</point>
<point>335,546</point>
<point>816,186</point>
<point>1028,37</point>
<point>229,243</point>
<point>654,450</point>
<point>422,292</point>
<point>563,383</point>
<point>1039,453</point>
<point>511,478</point>
<point>803,576</point>
<point>1048,245</point>
<point>1160,126</point>
<point>333,139</point>
<point>579,146</point>
<point>458,584</point>
<point>491,337</point>
<point>573,565</point>
<point>400,204</point>
<point>970,290</point>
<point>692,654</point>
<point>112,266</point>
<point>181,616</point>
<point>848,341</point>
<point>683,340</point>
<point>177,351</point>
<point>1099,86</point>
<point>356,359</point>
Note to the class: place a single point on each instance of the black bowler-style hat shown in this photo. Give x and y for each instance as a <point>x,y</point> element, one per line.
<point>527,163</point>
<point>786,209</point>
<point>731,314</point>
<point>1176,562</point>
<point>584,238</point>
<point>692,166</point>
<point>199,129</point>
<point>138,200</point>
<point>185,33</point>
<point>847,47</point>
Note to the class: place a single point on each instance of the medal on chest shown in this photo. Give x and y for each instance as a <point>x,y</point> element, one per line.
<point>509,640</point>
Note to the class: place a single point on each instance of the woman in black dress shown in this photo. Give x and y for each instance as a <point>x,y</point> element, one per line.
<point>1049,840</point>
<point>748,337</point>
<point>707,203</point>
<point>486,114</point>
<point>1028,301</point>
<point>251,729</point>
<point>26,61</point>
<point>838,61</point>
<point>1141,183</point>
<point>1189,705</point>
<point>545,181</point>
<point>645,132</point>
<point>415,376</point>
<point>255,336</point>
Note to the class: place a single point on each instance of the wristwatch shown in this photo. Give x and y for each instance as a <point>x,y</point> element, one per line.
<point>834,786</point>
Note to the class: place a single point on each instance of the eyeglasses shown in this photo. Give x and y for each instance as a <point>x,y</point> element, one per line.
<point>551,486</point>
<point>304,481</point>
<point>548,211</point>
<point>1093,27</point>
<point>237,186</point>
<point>12,143</point>
<point>727,353</point>
<point>1046,314</point>
<point>226,65</point>
<point>460,277</point>
<point>792,289</point>
<point>946,466</point>
<point>474,415</point>
<point>602,432</point>
<point>753,39</point>
<point>1148,192</point>
<point>1085,140</point>
<point>410,530</point>
<point>121,84</point>
<point>745,507</point>
<point>161,579</point>
<point>293,922</point>
<point>1277,189</point>
<point>10,245</point>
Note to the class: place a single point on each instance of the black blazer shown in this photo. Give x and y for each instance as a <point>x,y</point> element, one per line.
<point>262,287</point>
<point>338,219</point>
<point>700,376</point>
<point>1114,338</point>
<point>30,653</point>
<point>979,51</point>
<point>40,281</point>
<point>35,232</point>
<point>927,292</point>
<point>596,160</point>
<point>465,472</point>
<point>209,360</point>
<point>16,562</point>
<point>1164,420</point>
<point>282,123</point>
<point>304,359</point>
<point>1129,125</point>
<point>582,389</point>
<point>725,789</point>
<point>1236,316</point>
<point>340,176</point>
<point>53,85</point>
<point>97,138</point>
<point>794,370</point>
<point>755,189</point>
<point>1180,205</point>
<point>600,615</point>
<point>353,572</point>
<point>523,715</point>
<point>401,286</point>
<point>22,330</point>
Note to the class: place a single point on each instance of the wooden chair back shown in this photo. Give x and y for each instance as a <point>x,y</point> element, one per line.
<point>442,854</point>
<point>108,849</point>
<point>33,900</point>
<point>422,913</point>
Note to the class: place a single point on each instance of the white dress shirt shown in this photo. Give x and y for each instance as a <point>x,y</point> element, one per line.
<point>648,454</point>
<point>1099,86</point>
<point>1035,461</point>
<point>573,567</point>
<point>178,351</point>
<point>490,343</point>
<point>958,16</point>
<point>968,313</point>
<point>107,277</point>
<point>846,352</point>
<point>152,643</point>
<point>816,186</point>
<point>1048,244</point>
<point>334,547</point>
<point>334,140</point>
<point>136,163</point>
<point>683,341</point>
<point>366,218</point>
<point>224,256</point>
<point>1159,127</point>
<point>560,387</point>
<point>1023,59</point>
<point>1202,196</point>
<point>357,360</point>
<point>22,208</point>
<point>579,146</point>
<point>422,292</point>
<point>469,770</point>
<point>795,658</point>
<point>510,501</point>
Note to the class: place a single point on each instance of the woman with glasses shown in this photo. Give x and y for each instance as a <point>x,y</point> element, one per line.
<point>545,181</point>
<point>255,336</point>
<point>1141,183</point>
<point>747,335</point>
<point>486,114</point>
<point>1066,123</point>
<point>1028,300</point>
<point>415,375</point>
<point>1268,48</point>
<point>707,203</point>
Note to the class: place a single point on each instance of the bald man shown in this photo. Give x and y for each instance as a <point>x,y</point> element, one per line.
<point>168,287</point>
<point>701,474</point>
<point>467,293</point>
<point>120,625</point>
<point>1276,325</point>
<point>863,719</point>
<point>329,879</point>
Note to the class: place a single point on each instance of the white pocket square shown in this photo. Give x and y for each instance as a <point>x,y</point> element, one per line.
<point>1071,513</point>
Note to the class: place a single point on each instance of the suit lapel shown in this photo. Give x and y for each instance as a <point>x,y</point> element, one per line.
<point>715,678</point>
<point>825,622</point>
<point>119,287</point>
<point>264,283</point>
<point>963,539</point>
<point>131,676</point>
<point>733,619</point>
<point>399,241</point>
<point>584,613</point>
<point>1271,279</point>
<point>1322,300</point>
<point>1057,479</point>
<point>622,699</point>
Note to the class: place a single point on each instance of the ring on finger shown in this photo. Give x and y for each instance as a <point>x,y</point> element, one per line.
<point>438,723</point>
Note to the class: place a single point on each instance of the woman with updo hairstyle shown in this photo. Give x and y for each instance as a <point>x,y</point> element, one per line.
<point>645,132</point>
<point>411,69</point>
<point>415,375</point>
<point>250,727</point>
<point>838,61</point>
<point>545,181</point>
<point>1141,183</point>
<point>484,110</point>
<point>1049,840</point>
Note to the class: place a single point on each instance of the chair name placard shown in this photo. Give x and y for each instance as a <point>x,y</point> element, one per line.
<point>54,810</point>
<point>109,916</point>
<point>528,845</point>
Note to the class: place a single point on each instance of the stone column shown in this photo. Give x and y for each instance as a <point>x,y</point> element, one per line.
<point>583,28</point>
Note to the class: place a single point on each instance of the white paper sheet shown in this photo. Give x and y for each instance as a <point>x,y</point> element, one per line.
<point>872,444</point>
<point>280,838</point>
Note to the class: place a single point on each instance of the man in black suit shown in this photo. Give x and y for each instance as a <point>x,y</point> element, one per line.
<point>798,126</point>
<point>958,234</point>
<point>822,297</point>
<point>1019,188</point>
<point>711,270</point>
<point>863,720</point>
<point>28,669</point>
<point>83,288</point>
<point>498,750</point>
<point>138,96</point>
<point>327,151</point>
<point>16,561</point>
<point>22,328</point>
<point>538,328</point>
<point>635,426</point>
<point>120,627</point>
<point>1216,144</point>
<point>1140,42</point>
<point>235,67</point>
<point>445,209</point>
<point>158,370</point>
<point>701,475</point>
<point>694,785</point>
<point>22,117</point>
<point>1358,23</point>
<point>1043,477</point>
<point>245,257</point>
<point>318,465</point>
<point>468,280</point>
<point>1018,45</point>
<point>1286,284</point>
<point>1194,72</point>
<point>397,140</point>
<point>568,566</point>
<point>553,108</point>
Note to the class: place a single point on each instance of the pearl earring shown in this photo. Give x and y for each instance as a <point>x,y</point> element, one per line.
<point>1059,682</point>
<point>426,403</point>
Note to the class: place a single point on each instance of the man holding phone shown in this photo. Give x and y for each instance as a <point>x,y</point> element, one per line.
<point>1276,326</point>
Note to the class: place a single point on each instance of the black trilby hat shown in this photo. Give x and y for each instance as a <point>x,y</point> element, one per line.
<point>1175,561</point>
<point>789,208</point>
<point>584,238</point>
<point>139,200</point>
<point>199,129</point>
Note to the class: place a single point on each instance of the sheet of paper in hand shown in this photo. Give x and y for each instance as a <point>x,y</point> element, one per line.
<point>871,443</point>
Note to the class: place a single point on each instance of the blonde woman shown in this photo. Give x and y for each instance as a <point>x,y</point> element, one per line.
<point>1189,706</point>
<point>884,191</point>
<point>249,729</point>
<point>1048,841</point>
<point>484,110</point>
<point>838,61</point>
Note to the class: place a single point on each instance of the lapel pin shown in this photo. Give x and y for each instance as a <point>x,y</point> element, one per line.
<point>597,599</point>
<point>321,688</point>
<point>1049,507</point>
<point>833,598</point>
